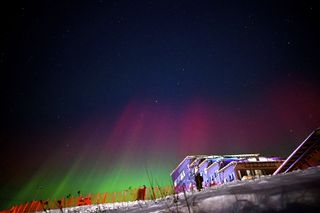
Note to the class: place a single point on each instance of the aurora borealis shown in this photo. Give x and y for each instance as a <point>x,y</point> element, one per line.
<point>97,94</point>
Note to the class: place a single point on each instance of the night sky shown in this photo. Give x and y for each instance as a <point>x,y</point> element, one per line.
<point>96,94</point>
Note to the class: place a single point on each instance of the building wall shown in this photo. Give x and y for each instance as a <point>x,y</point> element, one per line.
<point>180,176</point>
<point>210,174</point>
<point>203,166</point>
<point>227,175</point>
<point>182,167</point>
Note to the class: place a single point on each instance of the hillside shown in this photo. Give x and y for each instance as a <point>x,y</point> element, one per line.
<point>293,192</point>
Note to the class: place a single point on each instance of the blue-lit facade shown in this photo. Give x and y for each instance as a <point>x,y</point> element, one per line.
<point>220,169</point>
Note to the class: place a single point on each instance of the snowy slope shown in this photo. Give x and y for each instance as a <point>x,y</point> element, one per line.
<point>298,191</point>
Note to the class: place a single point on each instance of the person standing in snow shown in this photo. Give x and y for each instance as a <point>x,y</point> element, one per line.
<point>199,180</point>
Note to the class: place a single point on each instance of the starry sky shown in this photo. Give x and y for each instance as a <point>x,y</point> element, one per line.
<point>95,94</point>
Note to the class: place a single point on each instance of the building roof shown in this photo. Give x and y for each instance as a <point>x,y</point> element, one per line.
<point>186,158</point>
<point>242,155</point>
<point>203,162</point>
<point>211,165</point>
<point>227,166</point>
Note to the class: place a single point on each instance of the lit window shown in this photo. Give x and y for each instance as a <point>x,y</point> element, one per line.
<point>182,175</point>
<point>258,172</point>
<point>248,172</point>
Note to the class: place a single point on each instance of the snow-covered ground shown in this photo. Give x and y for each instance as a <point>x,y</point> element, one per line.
<point>298,191</point>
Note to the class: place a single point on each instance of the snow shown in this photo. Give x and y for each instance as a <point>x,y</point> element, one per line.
<point>297,191</point>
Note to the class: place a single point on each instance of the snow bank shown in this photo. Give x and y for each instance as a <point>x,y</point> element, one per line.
<point>293,192</point>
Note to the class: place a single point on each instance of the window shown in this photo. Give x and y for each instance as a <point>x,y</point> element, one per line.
<point>248,172</point>
<point>258,172</point>
<point>196,169</point>
<point>182,175</point>
<point>231,177</point>
<point>242,173</point>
